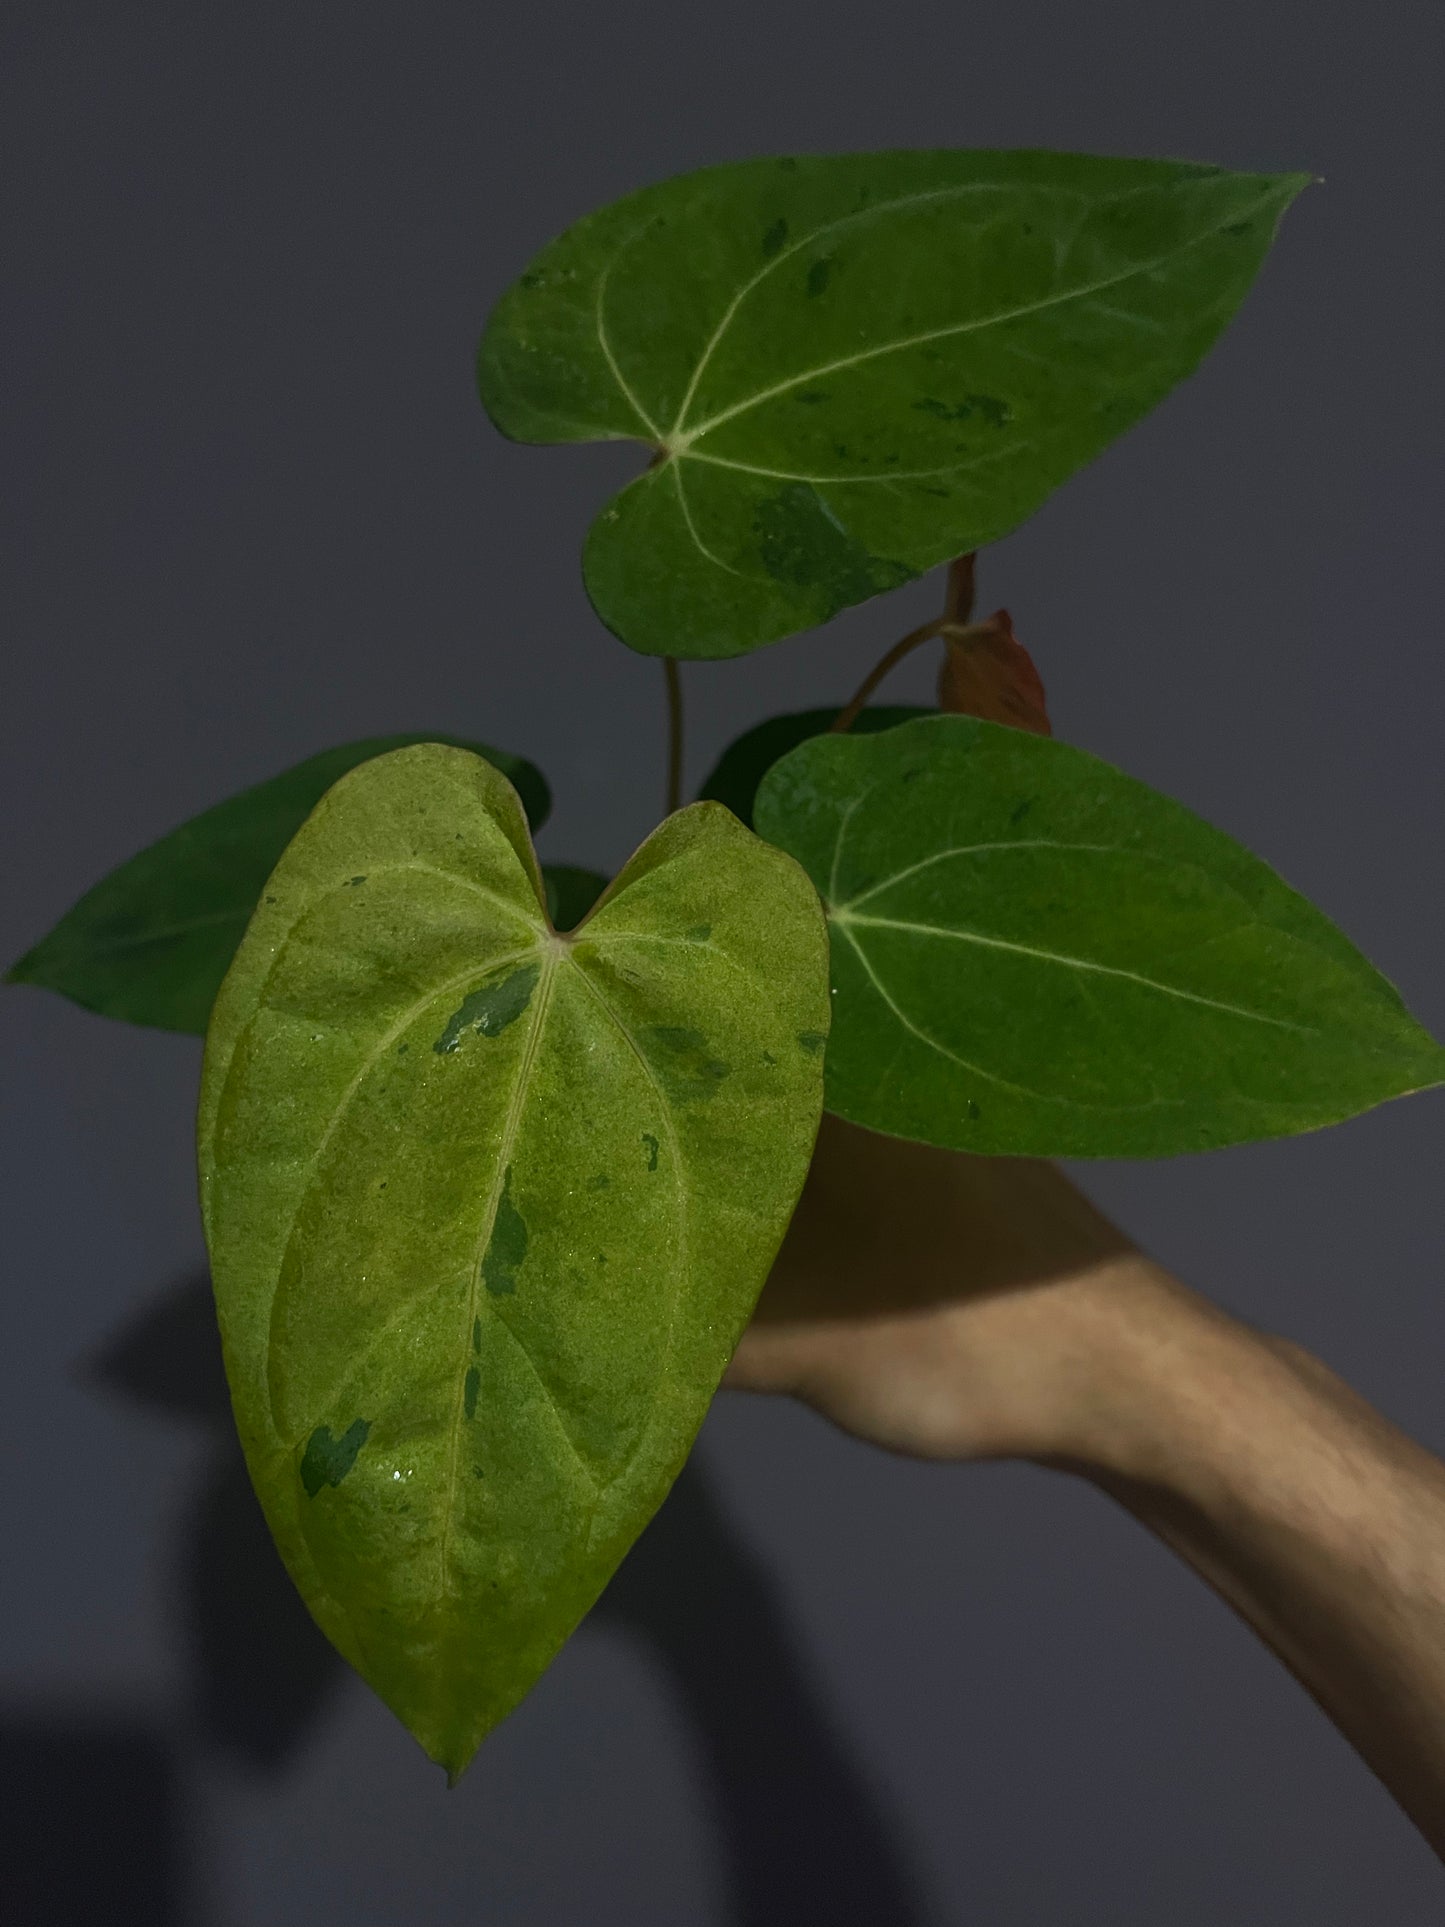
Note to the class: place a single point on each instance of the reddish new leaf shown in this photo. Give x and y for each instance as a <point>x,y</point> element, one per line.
<point>988,673</point>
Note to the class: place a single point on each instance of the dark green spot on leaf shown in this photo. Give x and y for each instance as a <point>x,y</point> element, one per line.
<point>327,1460</point>
<point>685,1067</point>
<point>995,412</point>
<point>801,542</point>
<point>489,1010</point>
<point>508,1244</point>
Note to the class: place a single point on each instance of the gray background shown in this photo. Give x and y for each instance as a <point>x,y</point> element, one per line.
<point>254,509</point>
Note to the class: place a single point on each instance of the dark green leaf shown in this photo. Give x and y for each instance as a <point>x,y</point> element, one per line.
<point>749,757</point>
<point>1034,954</point>
<point>854,367</point>
<point>571,893</point>
<point>488,1208</point>
<point>150,943</point>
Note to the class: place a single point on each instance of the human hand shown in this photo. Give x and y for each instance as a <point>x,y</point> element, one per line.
<point>956,1307</point>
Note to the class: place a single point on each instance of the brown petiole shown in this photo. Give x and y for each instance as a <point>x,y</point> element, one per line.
<point>954,621</point>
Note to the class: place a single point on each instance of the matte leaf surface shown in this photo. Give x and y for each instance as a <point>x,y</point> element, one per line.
<point>1032,953</point>
<point>857,366</point>
<point>150,943</point>
<point>749,757</point>
<point>488,1208</point>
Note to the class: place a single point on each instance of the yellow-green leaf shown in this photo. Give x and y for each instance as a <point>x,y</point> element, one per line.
<point>489,1207</point>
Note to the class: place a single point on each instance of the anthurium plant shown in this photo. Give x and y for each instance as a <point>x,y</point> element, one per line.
<point>494,1156</point>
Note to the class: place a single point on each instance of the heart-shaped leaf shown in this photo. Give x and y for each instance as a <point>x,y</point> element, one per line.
<point>853,367</point>
<point>488,1207</point>
<point>1034,954</point>
<point>150,943</point>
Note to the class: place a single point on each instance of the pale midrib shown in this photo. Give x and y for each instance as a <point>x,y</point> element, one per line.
<point>368,1064</point>
<point>853,218</point>
<point>1066,962</point>
<point>511,1125</point>
<point>220,1079</point>
<point>679,1185</point>
<point>960,467</point>
<point>1134,271</point>
<point>100,947</point>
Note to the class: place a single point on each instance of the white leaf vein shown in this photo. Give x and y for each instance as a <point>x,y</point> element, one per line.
<point>1067,962</point>
<point>1134,270</point>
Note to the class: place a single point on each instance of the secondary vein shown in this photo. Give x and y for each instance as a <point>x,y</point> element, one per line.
<point>348,1097</point>
<point>511,1125</point>
<point>599,322</point>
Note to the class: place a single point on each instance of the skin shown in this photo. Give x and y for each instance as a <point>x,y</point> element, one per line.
<point>961,1308</point>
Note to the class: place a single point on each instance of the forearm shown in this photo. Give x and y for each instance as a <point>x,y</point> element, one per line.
<point>959,1308</point>
<point>1322,1524</point>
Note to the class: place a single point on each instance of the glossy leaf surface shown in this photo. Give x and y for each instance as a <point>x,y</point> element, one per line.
<point>854,367</point>
<point>1033,953</point>
<point>151,942</point>
<point>748,758</point>
<point>488,1208</point>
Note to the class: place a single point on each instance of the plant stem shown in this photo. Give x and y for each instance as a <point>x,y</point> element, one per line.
<point>674,733</point>
<point>958,594</point>
<point>957,608</point>
<point>925,632</point>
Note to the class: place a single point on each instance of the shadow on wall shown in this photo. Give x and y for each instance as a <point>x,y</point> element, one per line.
<point>91,1823</point>
<point>804,1841</point>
